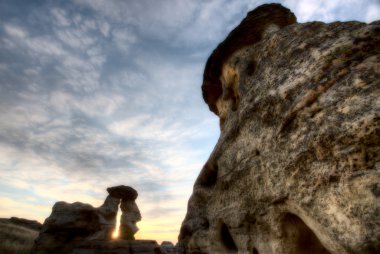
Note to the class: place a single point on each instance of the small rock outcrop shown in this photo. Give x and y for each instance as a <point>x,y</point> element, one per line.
<point>81,228</point>
<point>31,224</point>
<point>297,166</point>
<point>168,248</point>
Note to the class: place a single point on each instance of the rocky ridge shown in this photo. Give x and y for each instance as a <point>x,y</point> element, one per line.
<point>297,166</point>
<point>31,224</point>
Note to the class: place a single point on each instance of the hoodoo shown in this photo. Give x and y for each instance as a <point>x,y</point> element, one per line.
<point>80,228</point>
<point>297,166</point>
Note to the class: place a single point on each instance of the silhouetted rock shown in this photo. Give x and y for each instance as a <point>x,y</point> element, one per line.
<point>123,192</point>
<point>297,166</point>
<point>118,247</point>
<point>129,217</point>
<point>168,248</point>
<point>107,218</point>
<point>70,224</point>
<point>32,224</point>
<point>82,228</point>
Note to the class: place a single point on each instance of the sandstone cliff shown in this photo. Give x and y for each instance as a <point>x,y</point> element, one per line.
<point>297,166</point>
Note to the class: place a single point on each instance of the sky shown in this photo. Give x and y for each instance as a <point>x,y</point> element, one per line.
<point>98,93</point>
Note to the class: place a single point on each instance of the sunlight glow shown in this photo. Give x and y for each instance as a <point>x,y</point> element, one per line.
<point>115,233</point>
<point>159,231</point>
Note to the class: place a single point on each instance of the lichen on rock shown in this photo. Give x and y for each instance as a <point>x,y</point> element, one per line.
<point>297,166</point>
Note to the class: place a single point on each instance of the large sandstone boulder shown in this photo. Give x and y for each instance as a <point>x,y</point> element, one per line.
<point>297,166</point>
<point>71,224</point>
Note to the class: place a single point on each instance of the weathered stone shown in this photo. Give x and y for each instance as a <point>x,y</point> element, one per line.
<point>215,89</point>
<point>297,166</point>
<point>129,217</point>
<point>145,247</point>
<point>32,224</point>
<point>67,225</point>
<point>118,247</point>
<point>123,192</point>
<point>168,248</point>
<point>107,218</point>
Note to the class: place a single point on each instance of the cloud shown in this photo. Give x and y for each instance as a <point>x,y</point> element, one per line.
<point>44,46</point>
<point>22,209</point>
<point>60,17</point>
<point>329,11</point>
<point>123,38</point>
<point>104,28</point>
<point>150,128</point>
<point>15,31</point>
<point>91,105</point>
<point>373,12</point>
<point>179,23</point>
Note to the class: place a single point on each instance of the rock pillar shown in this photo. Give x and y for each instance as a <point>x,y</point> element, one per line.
<point>129,217</point>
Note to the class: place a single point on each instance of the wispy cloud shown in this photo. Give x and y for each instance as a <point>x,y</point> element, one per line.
<point>15,31</point>
<point>60,17</point>
<point>338,10</point>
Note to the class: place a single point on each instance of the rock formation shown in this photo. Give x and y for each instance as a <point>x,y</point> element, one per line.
<point>168,248</point>
<point>130,212</point>
<point>81,228</point>
<point>215,89</point>
<point>297,166</point>
<point>122,192</point>
<point>129,217</point>
<point>31,224</point>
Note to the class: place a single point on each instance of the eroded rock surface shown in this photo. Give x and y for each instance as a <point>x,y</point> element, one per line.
<point>297,166</point>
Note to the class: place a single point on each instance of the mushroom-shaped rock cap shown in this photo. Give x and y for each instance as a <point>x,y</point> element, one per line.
<point>122,192</point>
<point>248,32</point>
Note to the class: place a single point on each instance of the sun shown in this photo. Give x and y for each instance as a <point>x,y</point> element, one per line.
<point>115,233</point>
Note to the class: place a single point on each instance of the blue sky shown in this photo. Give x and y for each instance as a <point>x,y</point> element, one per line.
<point>96,93</point>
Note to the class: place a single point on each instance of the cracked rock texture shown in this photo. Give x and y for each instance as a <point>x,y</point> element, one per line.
<point>297,166</point>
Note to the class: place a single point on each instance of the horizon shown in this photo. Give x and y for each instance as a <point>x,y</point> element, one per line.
<point>99,93</point>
